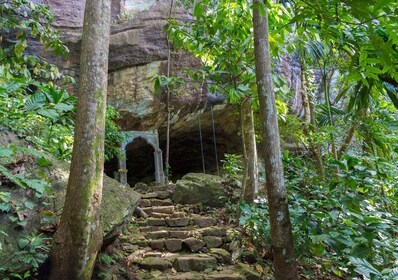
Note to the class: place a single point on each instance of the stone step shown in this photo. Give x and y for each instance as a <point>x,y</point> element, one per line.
<point>159,209</point>
<point>164,242</point>
<point>200,276</point>
<point>180,262</point>
<point>187,231</point>
<point>159,234</point>
<point>196,262</point>
<point>155,202</point>
<point>152,263</point>
<point>157,195</point>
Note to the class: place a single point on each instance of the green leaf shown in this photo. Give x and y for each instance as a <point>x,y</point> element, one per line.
<point>22,243</point>
<point>11,177</point>
<point>5,207</point>
<point>36,101</point>
<point>392,93</point>
<point>37,185</point>
<point>63,107</point>
<point>48,113</point>
<point>20,46</point>
<point>30,205</point>
<point>198,10</point>
<point>364,268</point>
<point>42,161</point>
<point>6,152</point>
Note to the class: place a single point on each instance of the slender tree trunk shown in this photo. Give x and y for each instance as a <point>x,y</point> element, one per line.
<point>281,230</point>
<point>168,102</point>
<point>348,139</point>
<point>310,125</point>
<point>79,236</point>
<point>250,180</point>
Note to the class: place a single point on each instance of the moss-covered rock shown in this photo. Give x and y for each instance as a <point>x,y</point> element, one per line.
<point>248,272</point>
<point>200,188</point>
<point>36,213</point>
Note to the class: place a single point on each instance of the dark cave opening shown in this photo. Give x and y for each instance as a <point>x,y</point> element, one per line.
<point>185,156</point>
<point>140,163</point>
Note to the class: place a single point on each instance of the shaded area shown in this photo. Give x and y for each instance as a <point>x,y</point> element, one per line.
<point>140,163</point>
<point>186,155</point>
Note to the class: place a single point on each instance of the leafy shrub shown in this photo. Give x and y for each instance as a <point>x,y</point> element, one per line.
<point>348,223</point>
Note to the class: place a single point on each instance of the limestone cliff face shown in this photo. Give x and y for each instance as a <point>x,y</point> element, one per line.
<point>139,52</point>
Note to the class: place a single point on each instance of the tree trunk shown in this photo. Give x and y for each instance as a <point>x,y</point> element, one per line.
<point>281,230</point>
<point>79,236</point>
<point>250,179</point>
<point>348,139</point>
<point>310,124</point>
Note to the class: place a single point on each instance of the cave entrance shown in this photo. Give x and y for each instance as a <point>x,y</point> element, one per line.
<point>142,159</point>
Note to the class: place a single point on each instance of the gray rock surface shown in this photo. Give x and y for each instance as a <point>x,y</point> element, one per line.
<point>199,188</point>
<point>117,207</point>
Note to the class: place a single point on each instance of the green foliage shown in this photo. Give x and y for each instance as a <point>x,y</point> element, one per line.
<point>106,259</point>
<point>32,101</point>
<point>232,165</point>
<point>162,81</point>
<point>33,250</point>
<point>113,135</point>
<point>364,268</point>
<point>255,222</point>
<point>221,36</point>
<point>348,224</point>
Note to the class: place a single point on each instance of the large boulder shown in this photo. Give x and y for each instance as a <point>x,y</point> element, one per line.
<point>32,212</point>
<point>202,188</point>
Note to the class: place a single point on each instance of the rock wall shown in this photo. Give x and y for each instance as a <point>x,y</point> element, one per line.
<point>139,52</point>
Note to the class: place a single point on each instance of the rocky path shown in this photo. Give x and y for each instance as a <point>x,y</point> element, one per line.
<point>176,242</point>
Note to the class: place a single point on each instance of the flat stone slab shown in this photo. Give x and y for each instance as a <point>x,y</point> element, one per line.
<point>212,241</point>
<point>205,222</point>
<point>156,222</point>
<point>156,244</point>
<point>222,255</point>
<point>173,245</point>
<point>149,195</point>
<point>163,209</point>
<point>149,228</point>
<point>194,263</point>
<point>193,244</point>
<point>161,202</point>
<point>214,231</point>
<point>183,276</point>
<point>158,215</point>
<point>152,263</point>
<point>225,276</point>
<point>183,234</point>
<point>157,234</point>
<point>145,203</point>
<point>178,215</point>
<point>177,222</point>
<point>163,194</point>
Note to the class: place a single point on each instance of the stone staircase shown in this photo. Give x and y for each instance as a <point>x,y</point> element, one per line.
<point>179,242</point>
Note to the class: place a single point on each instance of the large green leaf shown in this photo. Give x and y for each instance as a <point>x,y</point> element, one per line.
<point>36,101</point>
<point>6,152</point>
<point>364,268</point>
<point>392,93</point>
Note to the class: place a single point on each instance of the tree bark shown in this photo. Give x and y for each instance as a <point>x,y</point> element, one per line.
<point>79,236</point>
<point>281,230</point>
<point>348,139</point>
<point>250,179</point>
<point>310,124</point>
